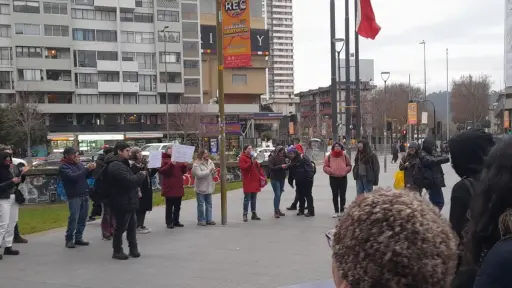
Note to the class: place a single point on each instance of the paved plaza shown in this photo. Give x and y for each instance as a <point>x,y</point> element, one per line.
<point>269,253</point>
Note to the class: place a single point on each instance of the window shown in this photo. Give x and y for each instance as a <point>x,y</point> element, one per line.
<point>137,37</point>
<point>57,53</point>
<point>107,55</point>
<point>30,75</point>
<point>192,86</point>
<point>190,30</point>
<point>5,9</point>
<point>5,56</point>
<point>108,76</point>
<point>130,77</point>
<point>83,34</point>
<point>146,60</point>
<point>146,83</point>
<point>7,98</point>
<point>6,80</point>
<point>168,16</point>
<point>5,31</point>
<point>172,77</point>
<point>60,98</point>
<point>109,99</point>
<point>189,11</point>
<point>26,7</point>
<point>86,80</point>
<point>170,57</point>
<point>191,64</point>
<point>27,29</point>
<point>84,2</point>
<point>106,36</point>
<point>136,17</point>
<point>89,14</point>
<point>86,99</point>
<point>129,99</point>
<point>144,3</point>
<point>147,99</point>
<point>128,56</point>
<point>126,16</point>
<point>191,49</point>
<point>55,8</point>
<point>28,52</point>
<point>240,79</point>
<point>85,59</point>
<point>56,30</point>
<point>169,37</point>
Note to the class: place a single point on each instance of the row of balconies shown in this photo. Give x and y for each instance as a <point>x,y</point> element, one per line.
<point>101,87</point>
<point>70,128</point>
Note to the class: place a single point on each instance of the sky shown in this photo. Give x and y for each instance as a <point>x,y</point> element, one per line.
<point>472,30</point>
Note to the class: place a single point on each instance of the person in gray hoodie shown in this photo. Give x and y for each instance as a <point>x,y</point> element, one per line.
<point>203,170</point>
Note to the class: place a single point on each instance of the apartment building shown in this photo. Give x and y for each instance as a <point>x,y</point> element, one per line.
<point>279,21</point>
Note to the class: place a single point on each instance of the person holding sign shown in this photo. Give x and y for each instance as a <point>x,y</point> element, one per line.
<point>172,187</point>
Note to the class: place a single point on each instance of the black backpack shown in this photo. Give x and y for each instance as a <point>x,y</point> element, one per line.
<point>309,167</point>
<point>422,177</point>
<point>101,187</point>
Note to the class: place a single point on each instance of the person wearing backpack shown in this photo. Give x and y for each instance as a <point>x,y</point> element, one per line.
<point>277,169</point>
<point>431,172</point>
<point>337,165</point>
<point>408,165</point>
<point>366,168</point>
<point>302,171</point>
<point>101,190</point>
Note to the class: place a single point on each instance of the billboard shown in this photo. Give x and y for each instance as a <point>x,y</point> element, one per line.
<point>412,113</point>
<point>259,40</point>
<point>236,33</point>
<point>506,119</point>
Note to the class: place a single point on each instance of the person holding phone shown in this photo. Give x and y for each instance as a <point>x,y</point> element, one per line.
<point>277,173</point>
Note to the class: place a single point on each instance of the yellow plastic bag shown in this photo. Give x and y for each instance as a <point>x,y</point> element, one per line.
<point>399,180</point>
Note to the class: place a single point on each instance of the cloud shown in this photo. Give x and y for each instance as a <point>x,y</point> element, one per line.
<point>472,30</point>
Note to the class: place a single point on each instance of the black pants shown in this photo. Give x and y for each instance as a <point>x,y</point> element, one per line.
<point>96,209</point>
<point>339,192</point>
<point>126,221</point>
<point>17,234</point>
<point>141,216</point>
<point>304,190</point>
<point>297,197</point>
<point>172,210</point>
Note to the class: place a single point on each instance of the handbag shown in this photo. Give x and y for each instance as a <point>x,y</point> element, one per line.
<point>399,180</point>
<point>19,197</point>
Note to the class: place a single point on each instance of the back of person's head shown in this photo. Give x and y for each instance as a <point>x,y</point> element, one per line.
<point>506,224</point>
<point>120,147</point>
<point>390,239</point>
<point>468,150</point>
<point>107,150</point>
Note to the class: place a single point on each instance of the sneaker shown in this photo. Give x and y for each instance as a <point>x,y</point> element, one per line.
<point>10,251</point>
<point>91,219</point>
<point>201,223</point>
<point>178,224</point>
<point>211,223</point>
<point>108,238</point>
<point>20,240</point>
<point>143,230</point>
<point>335,215</point>
<point>276,215</point>
<point>81,243</point>
<point>170,226</point>
<point>310,214</point>
<point>120,256</point>
<point>300,213</point>
<point>245,217</point>
<point>134,252</point>
<point>70,245</point>
<point>291,208</point>
<point>254,216</point>
<point>281,213</point>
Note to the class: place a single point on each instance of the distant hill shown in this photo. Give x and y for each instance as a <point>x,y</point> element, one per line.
<point>439,100</point>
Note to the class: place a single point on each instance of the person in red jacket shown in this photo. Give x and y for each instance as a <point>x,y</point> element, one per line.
<point>172,188</point>
<point>251,171</point>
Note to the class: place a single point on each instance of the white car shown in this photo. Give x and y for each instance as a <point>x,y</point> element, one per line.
<point>265,151</point>
<point>19,162</point>
<point>146,149</point>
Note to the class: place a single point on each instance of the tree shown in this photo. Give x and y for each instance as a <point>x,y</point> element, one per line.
<point>187,122</point>
<point>23,125</point>
<point>470,99</point>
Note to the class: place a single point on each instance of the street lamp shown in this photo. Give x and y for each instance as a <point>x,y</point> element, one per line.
<point>338,53</point>
<point>385,78</point>
<point>424,65</point>
<point>166,81</point>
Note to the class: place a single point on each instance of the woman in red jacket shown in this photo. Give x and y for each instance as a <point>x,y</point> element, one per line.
<point>250,169</point>
<point>171,182</point>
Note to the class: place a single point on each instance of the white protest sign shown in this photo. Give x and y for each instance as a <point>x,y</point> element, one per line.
<point>155,159</point>
<point>182,153</point>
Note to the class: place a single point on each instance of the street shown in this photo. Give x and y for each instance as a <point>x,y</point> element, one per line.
<point>267,253</point>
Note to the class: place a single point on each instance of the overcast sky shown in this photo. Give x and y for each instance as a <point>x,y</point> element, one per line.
<point>472,30</point>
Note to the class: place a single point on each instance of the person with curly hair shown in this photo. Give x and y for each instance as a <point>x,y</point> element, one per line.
<point>390,239</point>
<point>366,168</point>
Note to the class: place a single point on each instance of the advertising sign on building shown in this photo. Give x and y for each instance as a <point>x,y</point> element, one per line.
<point>259,40</point>
<point>412,113</point>
<point>236,33</point>
<point>424,117</point>
<point>506,119</point>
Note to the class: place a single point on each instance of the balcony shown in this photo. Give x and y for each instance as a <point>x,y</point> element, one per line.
<point>107,87</point>
<point>127,5</point>
<point>102,4</point>
<point>108,65</point>
<point>89,128</point>
<point>131,66</point>
<point>130,87</point>
<point>54,86</point>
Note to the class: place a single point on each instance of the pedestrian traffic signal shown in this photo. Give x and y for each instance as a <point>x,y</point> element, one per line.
<point>404,132</point>
<point>388,126</point>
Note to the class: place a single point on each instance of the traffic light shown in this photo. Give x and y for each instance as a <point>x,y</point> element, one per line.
<point>404,132</point>
<point>439,128</point>
<point>389,126</point>
<point>404,135</point>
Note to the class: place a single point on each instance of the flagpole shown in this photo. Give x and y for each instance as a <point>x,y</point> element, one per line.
<point>357,80</point>
<point>348,114</point>
<point>447,101</point>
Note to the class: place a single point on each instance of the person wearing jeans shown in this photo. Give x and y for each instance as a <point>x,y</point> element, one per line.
<point>203,170</point>
<point>366,169</point>
<point>74,180</point>
<point>277,165</point>
<point>251,176</point>
<point>337,165</point>
<point>432,166</point>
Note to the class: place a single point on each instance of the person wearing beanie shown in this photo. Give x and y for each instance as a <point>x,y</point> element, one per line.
<point>408,165</point>
<point>302,172</point>
<point>300,149</point>
<point>337,165</point>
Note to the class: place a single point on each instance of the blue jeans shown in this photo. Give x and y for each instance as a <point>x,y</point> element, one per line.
<point>278,187</point>
<point>363,185</point>
<point>436,197</point>
<point>78,211</point>
<point>204,200</point>
<point>250,198</point>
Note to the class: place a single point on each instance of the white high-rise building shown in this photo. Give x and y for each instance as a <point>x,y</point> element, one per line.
<point>279,17</point>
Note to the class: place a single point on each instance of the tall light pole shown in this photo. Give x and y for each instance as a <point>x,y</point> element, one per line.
<point>424,66</point>
<point>166,82</point>
<point>334,105</point>
<point>447,101</point>
<point>338,107</point>
<point>385,78</point>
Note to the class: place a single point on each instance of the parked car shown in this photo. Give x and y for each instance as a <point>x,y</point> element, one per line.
<point>53,160</point>
<point>19,162</point>
<point>146,149</point>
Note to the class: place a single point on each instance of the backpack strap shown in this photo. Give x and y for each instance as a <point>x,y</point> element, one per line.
<point>469,185</point>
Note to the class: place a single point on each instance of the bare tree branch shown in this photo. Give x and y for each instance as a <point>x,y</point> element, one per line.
<point>470,98</point>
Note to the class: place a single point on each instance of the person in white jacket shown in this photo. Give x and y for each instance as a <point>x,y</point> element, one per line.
<point>203,170</point>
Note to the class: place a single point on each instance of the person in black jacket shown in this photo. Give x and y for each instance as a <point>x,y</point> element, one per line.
<point>123,185</point>
<point>277,165</point>
<point>107,218</point>
<point>408,164</point>
<point>366,168</point>
<point>302,171</point>
<point>8,206</point>
<point>432,168</point>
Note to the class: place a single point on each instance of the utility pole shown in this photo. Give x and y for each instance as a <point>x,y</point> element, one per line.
<point>357,80</point>
<point>334,85</point>
<point>348,102</point>
<point>447,101</point>
<point>222,122</point>
<point>409,133</point>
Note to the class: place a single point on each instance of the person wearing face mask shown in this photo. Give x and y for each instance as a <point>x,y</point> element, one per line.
<point>337,165</point>
<point>8,205</point>
<point>408,165</point>
<point>203,170</point>
<point>172,188</point>
<point>251,172</point>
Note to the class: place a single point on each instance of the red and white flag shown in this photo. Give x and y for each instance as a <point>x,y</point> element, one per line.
<point>366,25</point>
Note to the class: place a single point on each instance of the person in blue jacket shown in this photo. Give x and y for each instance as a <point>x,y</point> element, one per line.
<point>74,179</point>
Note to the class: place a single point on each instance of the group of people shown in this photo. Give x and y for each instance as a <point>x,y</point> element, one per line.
<point>396,239</point>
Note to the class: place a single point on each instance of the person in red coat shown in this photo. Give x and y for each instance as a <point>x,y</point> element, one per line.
<point>251,172</point>
<point>172,188</point>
